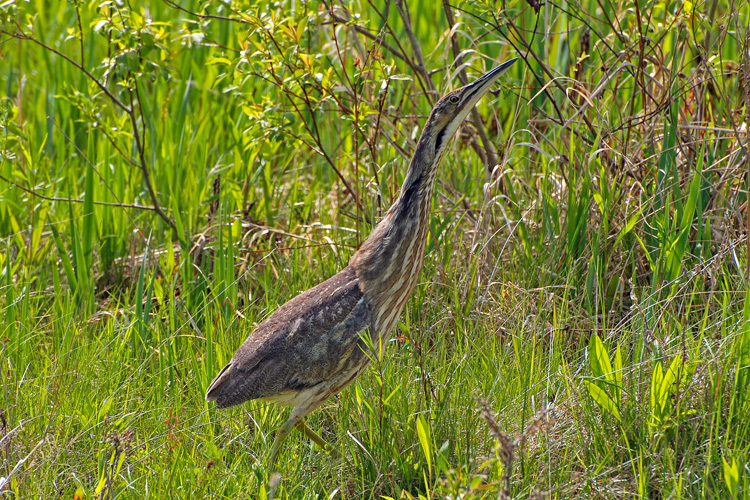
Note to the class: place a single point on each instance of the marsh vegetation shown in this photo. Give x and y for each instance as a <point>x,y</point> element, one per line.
<point>171,172</point>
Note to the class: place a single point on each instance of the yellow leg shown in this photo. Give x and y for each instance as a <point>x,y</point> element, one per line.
<point>315,438</point>
<point>296,420</point>
<point>281,436</point>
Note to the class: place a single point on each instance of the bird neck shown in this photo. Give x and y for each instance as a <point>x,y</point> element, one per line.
<point>415,199</point>
<point>389,262</point>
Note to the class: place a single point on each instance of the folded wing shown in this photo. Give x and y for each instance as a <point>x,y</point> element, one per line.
<point>303,345</point>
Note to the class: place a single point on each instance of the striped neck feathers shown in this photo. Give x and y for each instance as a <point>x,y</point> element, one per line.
<point>394,252</point>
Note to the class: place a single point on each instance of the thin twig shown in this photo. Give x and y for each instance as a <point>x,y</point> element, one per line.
<point>355,136</point>
<point>113,98</point>
<point>420,65</point>
<point>490,155</point>
<point>144,169</point>
<point>433,93</point>
<point>101,177</point>
<point>496,26</point>
<point>129,110</point>
<point>314,130</point>
<point>203,16</point>
<point>80,34</point>
<point>376,38</point>
<point>73,200</point>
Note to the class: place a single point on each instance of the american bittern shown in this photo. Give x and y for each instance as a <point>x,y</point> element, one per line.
<point>312,346</point>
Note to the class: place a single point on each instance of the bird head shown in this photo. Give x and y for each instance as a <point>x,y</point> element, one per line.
<point>452,109</point>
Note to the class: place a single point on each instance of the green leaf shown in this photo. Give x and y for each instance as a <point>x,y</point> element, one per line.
<point>599,359</point>
<point>617,374</point>
<point>670,376</point>
<point>104,409</point>
<point>17,233</point>
<point>676,250</point>
<point>139,300</point>
<point>36,234</point>
<point>178,222</point>
<point>120,462</point>
<point>218,60</point>
<point>656,378</point>
<point>591,281</point>
<point>731,476</point>
<point>89,217</point>
<point>424,440</point>
<point>628,226</point>
<point>603,400</point>
<point>301,27</point>
<point>743,355</point>
<point>10,306</point>
<point>64,259</point>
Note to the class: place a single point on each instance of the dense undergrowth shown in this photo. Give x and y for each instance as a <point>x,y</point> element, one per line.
<point>171,172</point>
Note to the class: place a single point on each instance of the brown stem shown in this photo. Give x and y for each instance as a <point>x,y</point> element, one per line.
<point>72,200</point>
<point>113,98</point>
<point>376,38</point>
<point>517,34</point>
<point>420,66</point>
<point>433,94</point>
<point>80,33</point>
<point>144,169</point>
<point>314,131</point>
<point>383,15</point>
<point>203,16</point>
<point>490,155</point>
<point>129,110</point>
<point>355,136</point>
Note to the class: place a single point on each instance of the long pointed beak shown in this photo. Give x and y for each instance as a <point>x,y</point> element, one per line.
<point>469,95</point>
<point>483,83</point>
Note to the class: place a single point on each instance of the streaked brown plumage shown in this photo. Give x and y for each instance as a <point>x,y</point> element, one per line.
<point>311,347</point>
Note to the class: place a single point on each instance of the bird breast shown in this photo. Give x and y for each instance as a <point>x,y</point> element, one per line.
<point>390,262</point>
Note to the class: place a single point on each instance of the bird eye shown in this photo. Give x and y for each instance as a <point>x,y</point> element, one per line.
<point>454,99</point>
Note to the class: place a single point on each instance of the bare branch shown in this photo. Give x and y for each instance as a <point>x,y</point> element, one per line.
<point>129,110</point>
<point>144,169</point>
<point>203,16</point>
<point>420,65</point>
<point>490,155</point>
<point>74,200</point>
<point>378,39</point>
<point>113,98</point>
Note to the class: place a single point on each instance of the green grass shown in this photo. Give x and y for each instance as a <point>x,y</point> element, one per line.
<point>599,275</point>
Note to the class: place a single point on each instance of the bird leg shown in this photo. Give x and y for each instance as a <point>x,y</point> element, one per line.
<point>315,438</point>
<point>296,420</point>
<point>281,436</point>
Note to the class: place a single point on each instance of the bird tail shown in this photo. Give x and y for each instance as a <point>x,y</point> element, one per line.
<point>214,391</point>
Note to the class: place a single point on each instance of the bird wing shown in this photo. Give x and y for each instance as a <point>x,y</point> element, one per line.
<point>306,342</point>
